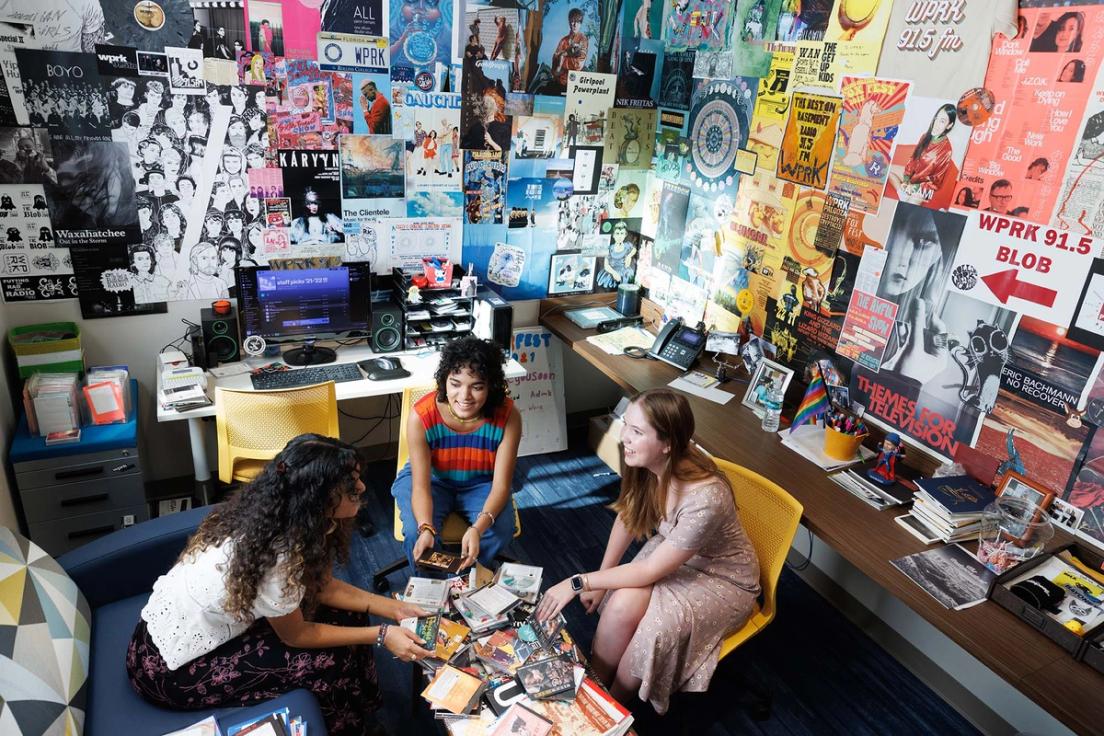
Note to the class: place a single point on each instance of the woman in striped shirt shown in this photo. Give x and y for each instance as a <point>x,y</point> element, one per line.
<point>463,447</point>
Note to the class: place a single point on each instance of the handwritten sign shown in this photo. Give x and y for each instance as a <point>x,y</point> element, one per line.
<point>539,395</point>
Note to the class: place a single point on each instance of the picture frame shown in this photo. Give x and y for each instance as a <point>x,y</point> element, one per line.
<point>767,373</point>
<point>1014,485</point>
<point>588,168</point>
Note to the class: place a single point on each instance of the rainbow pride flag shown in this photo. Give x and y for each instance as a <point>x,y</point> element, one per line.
<point>813,405</point>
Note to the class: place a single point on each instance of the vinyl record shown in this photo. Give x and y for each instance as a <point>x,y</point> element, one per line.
<point>148,25</point>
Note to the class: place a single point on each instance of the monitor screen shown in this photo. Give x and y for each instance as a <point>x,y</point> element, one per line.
<point>296,305</point>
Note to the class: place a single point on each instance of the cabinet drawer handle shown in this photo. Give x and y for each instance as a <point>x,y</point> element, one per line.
<point>93,532</point>
<point>65,474</point>
<point>94,498</point>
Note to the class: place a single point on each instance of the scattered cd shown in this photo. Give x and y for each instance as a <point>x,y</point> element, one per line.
<point>148,25</point>
<point>254,345</point>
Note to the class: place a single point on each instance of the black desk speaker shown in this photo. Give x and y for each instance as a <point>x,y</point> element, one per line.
<point>221,343</point>
<point>387,327</point>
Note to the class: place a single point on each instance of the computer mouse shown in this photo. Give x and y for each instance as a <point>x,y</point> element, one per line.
<point>383,368</point>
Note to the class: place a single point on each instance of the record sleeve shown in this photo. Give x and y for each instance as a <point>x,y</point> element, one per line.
<point>148,25</point>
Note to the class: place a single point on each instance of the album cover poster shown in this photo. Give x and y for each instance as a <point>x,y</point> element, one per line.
<point>772,106</point>
<point>254,68</point>
<point>186,71</point>
<point>288,28</point>
<point>484,187</point>
<point>433,164</point>
<point>435,204</point>
<point>104,282</point>
<point>718,133</point>
<point>218,30</point>
<point>676,85</point>
<point>806,150</point>
<point>872,112</point>
<point>571,273</point>
<point>148,26</point>
<point>926,174</point>
<point>629,141</point>
<point>93,203</point>
<point>421,42</point>
<point>674,203</point>
<point>641,19</point>
<point>361,17</point>
<point>538,136</point>
<point>638,75</point>
<point>566,39</point>
<point>1024,136</point>
<point>804,21</point>
<point>372,109</point>
<point>32,267</point>
<point>699,24</point>
<point>372,176</point>
<point>492,33</point>
<point>312,180</point>
<point>13,110</point>
<point>63,93</point>
<point>483,119</point>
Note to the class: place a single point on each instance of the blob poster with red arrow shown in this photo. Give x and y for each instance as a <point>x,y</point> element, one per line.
<point>1031,269</point>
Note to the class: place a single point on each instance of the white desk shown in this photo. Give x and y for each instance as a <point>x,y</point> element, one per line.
<point>421,364</point>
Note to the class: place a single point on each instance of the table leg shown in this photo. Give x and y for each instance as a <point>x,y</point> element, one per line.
<point>200,464</point>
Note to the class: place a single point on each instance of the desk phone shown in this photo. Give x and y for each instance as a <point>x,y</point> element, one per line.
<point>678,344</point>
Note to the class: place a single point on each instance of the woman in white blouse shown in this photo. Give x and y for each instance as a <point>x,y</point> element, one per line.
<point>251,609</point>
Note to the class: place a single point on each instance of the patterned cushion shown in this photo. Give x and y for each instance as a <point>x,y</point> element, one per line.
<point>44,635</point>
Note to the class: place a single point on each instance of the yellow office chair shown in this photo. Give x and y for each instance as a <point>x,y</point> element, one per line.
<point>770,517</point>
<point>452,531</point>
<point>253,426</point>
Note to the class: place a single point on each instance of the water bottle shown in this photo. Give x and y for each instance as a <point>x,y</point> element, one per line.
<point>772,406</point>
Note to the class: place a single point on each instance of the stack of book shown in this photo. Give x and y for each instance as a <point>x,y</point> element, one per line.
<point>951,507</point>
<point>857,482</point>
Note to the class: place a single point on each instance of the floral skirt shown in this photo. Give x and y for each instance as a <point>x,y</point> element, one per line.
<point>257,666</point>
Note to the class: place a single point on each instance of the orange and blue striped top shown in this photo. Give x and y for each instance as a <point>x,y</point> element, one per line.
<point>462,457</point>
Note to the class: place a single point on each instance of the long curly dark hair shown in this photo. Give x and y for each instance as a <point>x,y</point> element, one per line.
<point>485,359</point>
<point>286,512</point>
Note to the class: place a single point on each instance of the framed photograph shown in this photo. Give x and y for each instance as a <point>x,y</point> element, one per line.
<point>1014,485</point>
<point>588,168</point>
<point>768,376</point>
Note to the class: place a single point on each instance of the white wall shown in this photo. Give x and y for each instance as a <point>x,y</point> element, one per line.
<point>7,426</point>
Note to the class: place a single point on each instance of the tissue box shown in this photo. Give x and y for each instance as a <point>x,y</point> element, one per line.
<point>53,347</point>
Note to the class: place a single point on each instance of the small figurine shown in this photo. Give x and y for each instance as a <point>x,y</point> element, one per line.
<point>413,295</point>
<point>884,471</point>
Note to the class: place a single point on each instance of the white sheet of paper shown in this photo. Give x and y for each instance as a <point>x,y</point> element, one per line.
<point>102,398</point>
<point>54,413</point>
<point>714,394</point>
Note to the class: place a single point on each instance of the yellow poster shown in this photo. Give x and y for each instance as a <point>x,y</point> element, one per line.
<point>859,26</point>
<point>810,136</point>
<point>772,103</point>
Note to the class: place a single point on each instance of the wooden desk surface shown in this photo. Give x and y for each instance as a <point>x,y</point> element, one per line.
<point>868,539</point>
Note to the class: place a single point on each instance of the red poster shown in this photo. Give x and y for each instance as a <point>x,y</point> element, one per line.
<point>1041,83</point>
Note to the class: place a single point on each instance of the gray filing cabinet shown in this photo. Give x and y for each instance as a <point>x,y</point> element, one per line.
<point>76,492</point>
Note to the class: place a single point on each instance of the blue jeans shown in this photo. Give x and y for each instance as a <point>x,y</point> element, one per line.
<point>465,499</point>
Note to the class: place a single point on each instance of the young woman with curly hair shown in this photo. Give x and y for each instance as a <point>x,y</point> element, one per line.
<point>251,609</point>
<point>463,447</point>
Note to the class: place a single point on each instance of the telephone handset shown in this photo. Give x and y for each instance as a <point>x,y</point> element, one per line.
<point>678,344</point>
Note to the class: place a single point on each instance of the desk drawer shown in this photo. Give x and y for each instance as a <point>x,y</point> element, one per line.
<point>78,499</point>
<point>94,466</point>
<point>61,535</point>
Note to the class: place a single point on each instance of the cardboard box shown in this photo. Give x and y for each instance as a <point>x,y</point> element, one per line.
<point>604,438</point>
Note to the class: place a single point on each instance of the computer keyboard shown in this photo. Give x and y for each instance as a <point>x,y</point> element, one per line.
<point>306,376</point>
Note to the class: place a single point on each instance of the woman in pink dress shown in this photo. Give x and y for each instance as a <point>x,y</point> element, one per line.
<point>664,615</point>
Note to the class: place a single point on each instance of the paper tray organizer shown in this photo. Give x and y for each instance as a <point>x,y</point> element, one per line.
<point>56,349</point>
<point>1041,620</point>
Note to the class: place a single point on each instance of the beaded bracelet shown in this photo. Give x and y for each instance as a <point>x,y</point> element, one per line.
<point>382,634</point>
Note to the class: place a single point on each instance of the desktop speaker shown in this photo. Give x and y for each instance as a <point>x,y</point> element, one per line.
<point>220,337</point>
<point>387,327</point>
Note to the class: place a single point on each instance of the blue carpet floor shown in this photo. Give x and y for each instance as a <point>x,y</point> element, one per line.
<point>825,674</point>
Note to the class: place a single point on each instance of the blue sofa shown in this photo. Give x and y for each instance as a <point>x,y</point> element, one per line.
<point>116,573</point>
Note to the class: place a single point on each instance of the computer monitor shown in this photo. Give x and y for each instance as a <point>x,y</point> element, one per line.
<point>302,306</point>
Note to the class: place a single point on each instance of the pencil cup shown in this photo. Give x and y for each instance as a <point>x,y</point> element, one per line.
<point>840,446</point>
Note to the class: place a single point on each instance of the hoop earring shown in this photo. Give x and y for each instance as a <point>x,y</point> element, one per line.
<point>332,528</point>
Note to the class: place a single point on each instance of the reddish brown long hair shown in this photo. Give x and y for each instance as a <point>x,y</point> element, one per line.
<point>643,500</point>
